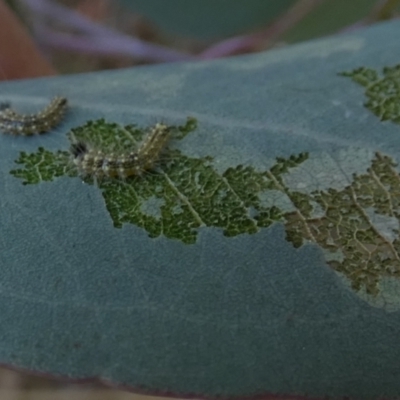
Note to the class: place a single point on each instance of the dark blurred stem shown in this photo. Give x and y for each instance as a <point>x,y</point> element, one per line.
<point>265,38</point>
<point>94,38</point>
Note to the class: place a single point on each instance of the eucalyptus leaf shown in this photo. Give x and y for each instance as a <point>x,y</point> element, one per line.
<point>259,256</point>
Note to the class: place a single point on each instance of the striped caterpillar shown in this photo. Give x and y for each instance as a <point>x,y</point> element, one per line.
<point>19,124</point>
<point>91,162</point>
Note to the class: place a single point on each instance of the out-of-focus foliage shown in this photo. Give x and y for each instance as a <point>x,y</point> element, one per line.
<point>328,18</point>
<point>209,19</point>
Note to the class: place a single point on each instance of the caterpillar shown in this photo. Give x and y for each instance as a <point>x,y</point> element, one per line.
<point>92,162</point>
<point>19,124</point>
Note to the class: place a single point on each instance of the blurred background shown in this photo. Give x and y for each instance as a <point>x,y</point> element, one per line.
<point>49,37</point>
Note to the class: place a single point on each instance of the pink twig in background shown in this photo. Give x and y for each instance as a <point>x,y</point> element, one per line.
<point>96,38</point>
<point>100,46</point>
<point>267,37</point>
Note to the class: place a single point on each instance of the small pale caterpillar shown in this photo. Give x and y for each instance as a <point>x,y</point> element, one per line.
<point>92,162</point>
<point>19,124</point>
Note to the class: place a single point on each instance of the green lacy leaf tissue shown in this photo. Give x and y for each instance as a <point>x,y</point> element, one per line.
<point>187,193</point>
<point>382,91</point>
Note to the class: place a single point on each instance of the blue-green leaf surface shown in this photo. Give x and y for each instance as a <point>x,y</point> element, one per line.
<point>261,256</point>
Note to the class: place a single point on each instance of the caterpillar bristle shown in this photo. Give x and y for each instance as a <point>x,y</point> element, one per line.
<point>78,149</point>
